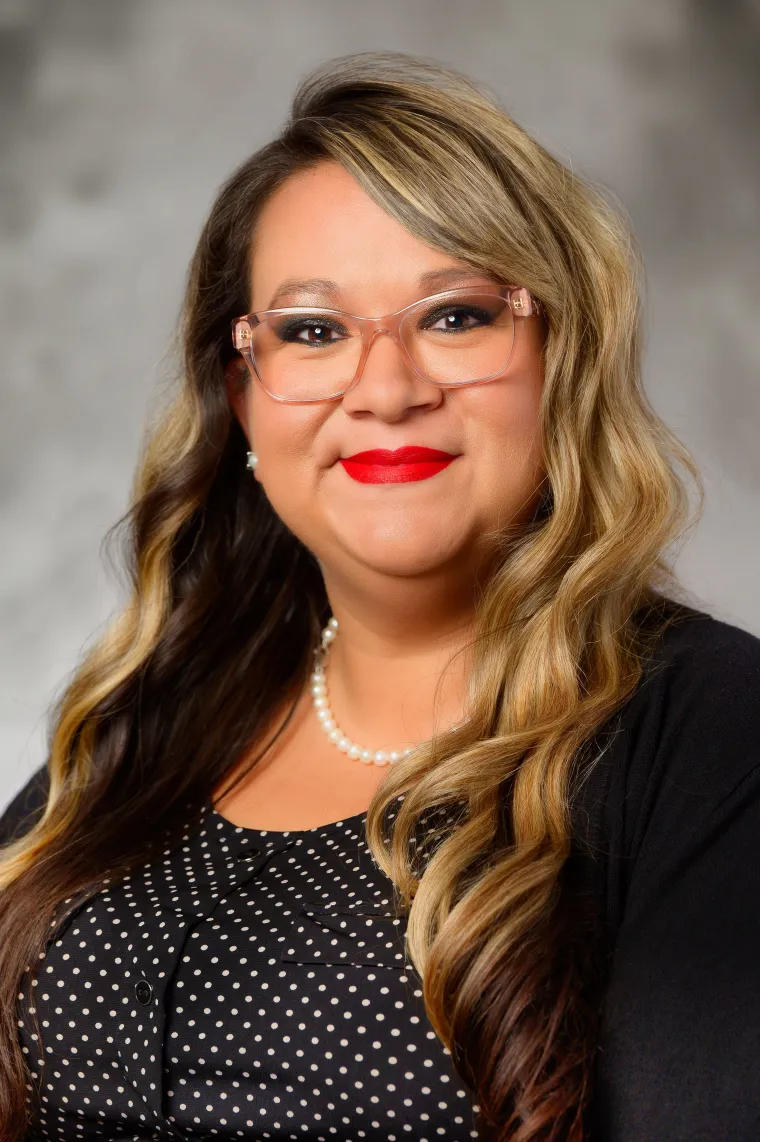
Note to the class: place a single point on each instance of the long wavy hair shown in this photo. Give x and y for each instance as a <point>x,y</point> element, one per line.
<point>226,604</point>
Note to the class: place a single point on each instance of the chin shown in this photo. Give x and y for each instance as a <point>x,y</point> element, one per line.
<point>415,552</point>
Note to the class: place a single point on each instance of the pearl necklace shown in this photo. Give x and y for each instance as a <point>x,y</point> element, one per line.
<point>325,714</point>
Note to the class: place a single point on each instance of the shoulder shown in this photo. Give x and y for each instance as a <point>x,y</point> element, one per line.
<point>695,649</point>
<point>687,738</point>
<point>26,807</point>
<point>682,754</point>
<point>697,707</point>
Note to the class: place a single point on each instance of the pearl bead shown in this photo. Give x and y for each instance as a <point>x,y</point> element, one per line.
<point>322,709</point>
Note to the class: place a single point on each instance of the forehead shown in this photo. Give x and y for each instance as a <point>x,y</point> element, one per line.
<point>321,224</point>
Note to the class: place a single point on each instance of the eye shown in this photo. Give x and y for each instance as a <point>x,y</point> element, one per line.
<point>456,319</point>
<point>310,331</point>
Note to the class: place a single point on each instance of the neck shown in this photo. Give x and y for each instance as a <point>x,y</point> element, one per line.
<point>398,668</point>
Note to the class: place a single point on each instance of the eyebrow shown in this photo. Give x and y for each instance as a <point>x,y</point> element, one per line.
<point>330,290</point>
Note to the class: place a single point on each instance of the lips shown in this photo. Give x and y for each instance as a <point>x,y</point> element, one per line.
<point>381,466</point>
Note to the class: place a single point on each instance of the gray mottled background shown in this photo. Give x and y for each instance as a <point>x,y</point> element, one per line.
<point>119,118</point>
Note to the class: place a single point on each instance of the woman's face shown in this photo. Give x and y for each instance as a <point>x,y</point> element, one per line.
<point>321,224</point>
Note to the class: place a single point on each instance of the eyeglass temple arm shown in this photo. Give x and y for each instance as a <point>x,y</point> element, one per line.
<point>524,304</point>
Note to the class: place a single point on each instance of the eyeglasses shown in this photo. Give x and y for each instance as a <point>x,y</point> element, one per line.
<point>459,337</point>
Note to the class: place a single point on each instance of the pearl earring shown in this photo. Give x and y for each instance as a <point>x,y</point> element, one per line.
<point>252,460</point>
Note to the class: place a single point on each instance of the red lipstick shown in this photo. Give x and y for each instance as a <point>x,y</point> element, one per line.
<point>380,466</point>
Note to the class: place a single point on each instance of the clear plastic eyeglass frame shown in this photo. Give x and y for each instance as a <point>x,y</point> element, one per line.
<point>520,300</point>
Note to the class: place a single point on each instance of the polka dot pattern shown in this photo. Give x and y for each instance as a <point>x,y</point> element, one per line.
<point>245,984</point>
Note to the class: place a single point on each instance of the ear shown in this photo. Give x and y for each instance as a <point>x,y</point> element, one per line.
<point>235,387</point>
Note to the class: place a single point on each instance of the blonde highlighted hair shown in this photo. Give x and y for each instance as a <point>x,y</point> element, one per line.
<point>227,603</point>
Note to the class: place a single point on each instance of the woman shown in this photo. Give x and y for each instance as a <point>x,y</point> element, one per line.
<point>404,799</point>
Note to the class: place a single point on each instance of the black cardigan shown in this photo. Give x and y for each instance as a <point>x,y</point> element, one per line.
<point>672,813</point>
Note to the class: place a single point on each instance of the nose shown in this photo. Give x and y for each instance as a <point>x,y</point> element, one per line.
<point>388,386</point>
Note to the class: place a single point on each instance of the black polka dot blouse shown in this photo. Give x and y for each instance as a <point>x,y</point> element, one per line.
<point>246,984</point>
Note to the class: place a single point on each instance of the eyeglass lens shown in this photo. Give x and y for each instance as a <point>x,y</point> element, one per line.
<point>315,354</point>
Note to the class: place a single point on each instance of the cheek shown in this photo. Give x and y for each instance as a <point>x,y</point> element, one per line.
<point>281,432</point>
<point>503,419</point>
<point>504,443</point>
<point>284,437</point>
